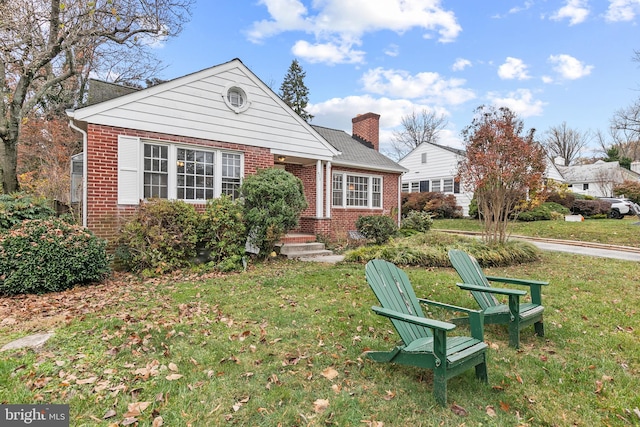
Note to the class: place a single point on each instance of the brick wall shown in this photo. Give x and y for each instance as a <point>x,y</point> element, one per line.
<point>342,219</point>
<point>367,127</point>
<point>104,215</point>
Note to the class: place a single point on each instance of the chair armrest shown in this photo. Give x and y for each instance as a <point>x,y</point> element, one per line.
<point>492,290</point>
<point>416,320</point>
<point>524,282</point>
<point>448,306</point>
<point>476,317</point>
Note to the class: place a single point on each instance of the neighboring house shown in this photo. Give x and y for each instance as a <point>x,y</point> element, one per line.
<point>434,167</point>
<point>196,137</point>
<point>597,179</point>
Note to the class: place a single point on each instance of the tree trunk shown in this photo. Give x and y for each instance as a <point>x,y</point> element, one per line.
<point>8,162</point>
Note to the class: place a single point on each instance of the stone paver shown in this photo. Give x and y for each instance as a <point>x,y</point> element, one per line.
<point>32,341</point>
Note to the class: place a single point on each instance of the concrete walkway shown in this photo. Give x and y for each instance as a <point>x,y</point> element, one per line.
<point>616,253</point>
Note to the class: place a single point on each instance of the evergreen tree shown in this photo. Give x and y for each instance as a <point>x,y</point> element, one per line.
<point>294,92</point>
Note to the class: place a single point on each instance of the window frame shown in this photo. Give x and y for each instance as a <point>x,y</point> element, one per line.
<point>344,190</point>
<point>172,169</point>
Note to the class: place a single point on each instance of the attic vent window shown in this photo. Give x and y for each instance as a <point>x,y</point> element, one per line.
<point>236,98</point>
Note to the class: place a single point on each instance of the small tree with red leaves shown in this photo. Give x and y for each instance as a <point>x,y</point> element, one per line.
<point>503,166</point>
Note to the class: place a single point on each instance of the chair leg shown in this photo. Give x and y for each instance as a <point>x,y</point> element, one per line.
<point>440,386</point>
<point>514,334</point>
<point>539,326</point>
<point>481,370</point>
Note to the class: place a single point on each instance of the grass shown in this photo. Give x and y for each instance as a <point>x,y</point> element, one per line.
<point>282,344</point>
<point>623,232</point>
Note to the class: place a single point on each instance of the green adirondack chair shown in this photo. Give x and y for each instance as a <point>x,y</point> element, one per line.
<point>425,343</point>
<point>514,314</point>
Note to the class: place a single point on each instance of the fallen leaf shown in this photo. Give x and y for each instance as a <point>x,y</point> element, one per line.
<point>157,422</point>
<point>504,406</point>
<point>459,410</point>
<point>110,413</point>
<point>490,411</point>
<point>519,379</point>
<point>336,388</point>
<point>390,395</point>
<point>598,387</point>
<point>173,367</point>
<point>320,405</point>
<point>89,380</point>
<point>173,377</point>
<point>129,421</point>
<point>329,373</point>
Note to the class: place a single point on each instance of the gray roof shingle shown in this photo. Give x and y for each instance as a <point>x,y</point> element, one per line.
<point>355,153</point>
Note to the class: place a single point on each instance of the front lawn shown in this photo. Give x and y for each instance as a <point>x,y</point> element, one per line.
<point>623,232</point>
<point>282,344</point>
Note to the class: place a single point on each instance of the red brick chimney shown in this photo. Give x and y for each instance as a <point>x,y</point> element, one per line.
<point>367,127</point>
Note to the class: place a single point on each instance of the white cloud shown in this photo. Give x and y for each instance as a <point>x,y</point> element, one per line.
<point>575,10</point>
<point>513,68</point>
<point>520,102</point>
<point>460,64</point>
<point>343,23</point>
<point>392,50</point>
<point>622,10</point>
<point>337,113</point>
<point>328,53</point>
<point>547,79</point>
<point>569,67</point>
<point>426,86</point>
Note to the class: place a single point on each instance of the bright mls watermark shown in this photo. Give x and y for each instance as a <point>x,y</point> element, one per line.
<point>34,415</point>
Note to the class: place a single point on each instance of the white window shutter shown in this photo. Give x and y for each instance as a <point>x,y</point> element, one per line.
<point>128,170</point>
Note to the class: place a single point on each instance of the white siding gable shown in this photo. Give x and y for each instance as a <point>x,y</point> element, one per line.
<point>194,106</point>
<point>440,163</point>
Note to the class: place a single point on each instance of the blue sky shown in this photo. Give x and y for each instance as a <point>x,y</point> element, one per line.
<point>550,61</point>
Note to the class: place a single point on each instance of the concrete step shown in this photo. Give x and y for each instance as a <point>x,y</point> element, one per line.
<point>302,250</point>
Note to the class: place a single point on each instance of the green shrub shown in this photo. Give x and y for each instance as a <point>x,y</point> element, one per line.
<point>418,221</point>
<point>542,212</point>
<point>273,202</point>
<point>628,189</point>
<point>16,207</point>
<point>377,227</point>
<point>159,238</point>
<point>222,231</point>
<point>50,255</point>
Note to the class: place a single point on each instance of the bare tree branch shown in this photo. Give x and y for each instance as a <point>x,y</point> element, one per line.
<point>417,128</point>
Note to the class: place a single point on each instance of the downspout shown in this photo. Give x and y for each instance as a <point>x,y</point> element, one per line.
<point>84,170</point>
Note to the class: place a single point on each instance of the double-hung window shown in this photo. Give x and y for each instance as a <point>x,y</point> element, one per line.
<point>195,177</point>
<point>156,171</point>
<point>360,191</point>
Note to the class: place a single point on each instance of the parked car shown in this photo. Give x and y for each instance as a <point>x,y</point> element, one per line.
<point>621,207</point>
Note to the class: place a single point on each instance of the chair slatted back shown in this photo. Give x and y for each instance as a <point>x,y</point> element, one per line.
<point>470,272</point>
<point>394,291</point>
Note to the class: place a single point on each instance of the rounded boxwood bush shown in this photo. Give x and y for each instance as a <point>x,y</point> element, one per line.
<point>51,255</point>
<point>377,227</point>
<point>418,221</point>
